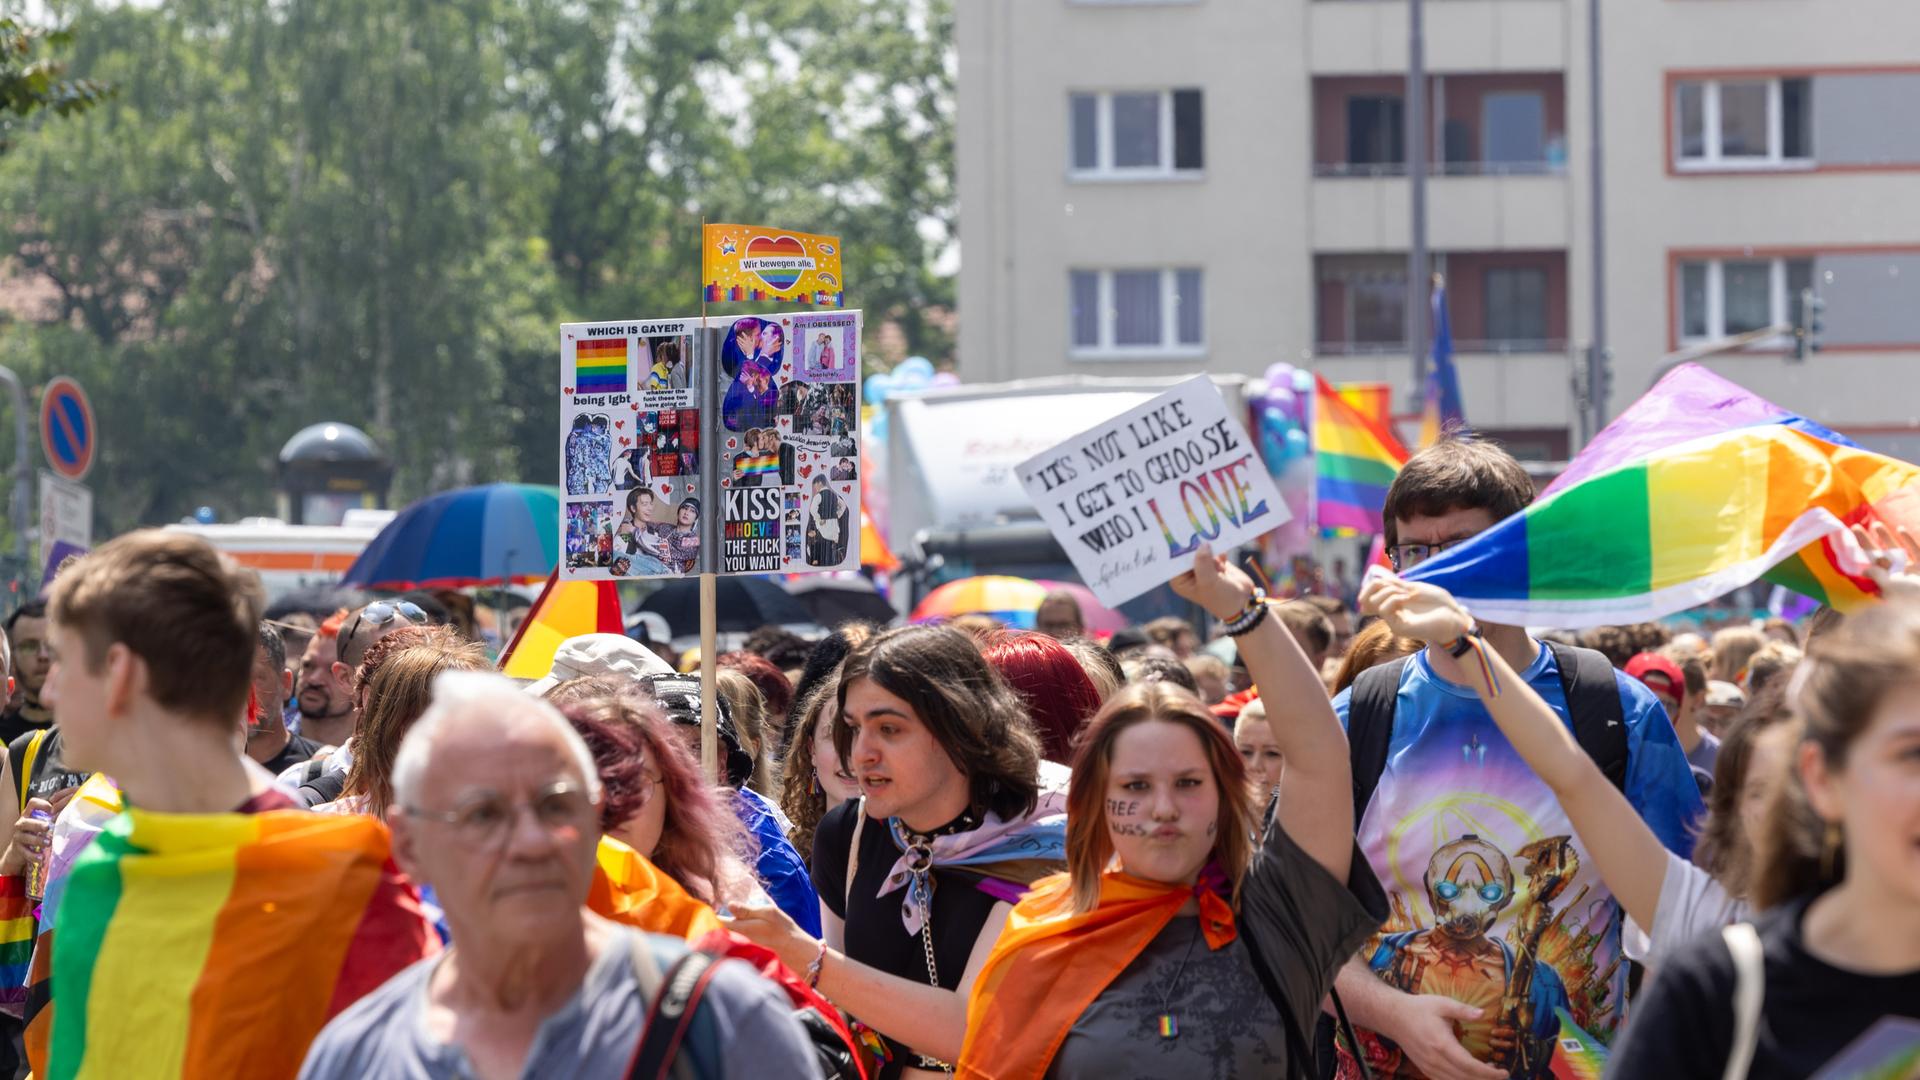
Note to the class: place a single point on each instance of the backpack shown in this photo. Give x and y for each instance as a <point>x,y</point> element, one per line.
<point>1593,703</point>
<point>324,787</point>
<point>675,998</point>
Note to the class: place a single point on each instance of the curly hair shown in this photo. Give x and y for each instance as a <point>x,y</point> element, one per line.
<point>971,711</point>
<point>703,845</point>
<point>393,687</point>
<point>1060,698</point>
<point>801,797</point>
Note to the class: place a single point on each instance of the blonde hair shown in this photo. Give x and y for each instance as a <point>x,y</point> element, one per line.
<point>749,709</point>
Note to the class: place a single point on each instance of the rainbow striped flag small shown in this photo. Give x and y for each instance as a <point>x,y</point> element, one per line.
<point>1355,461</point>
<point>17,931</point>
<point>758,465</point>
<point>564,609</point>
<point>219,944</point>
<point>600,366</point>
<point>1576,1054</point>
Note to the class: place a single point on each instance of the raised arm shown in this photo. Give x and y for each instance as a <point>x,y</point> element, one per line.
<point>1316,793</point>
<point>1625,851</point>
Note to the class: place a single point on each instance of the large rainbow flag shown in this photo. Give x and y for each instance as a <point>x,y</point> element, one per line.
<point>1355,460</point>
<point>600,366</point>
<point>219,944</point>
<point>564,609</point>
<point>1699,488</point>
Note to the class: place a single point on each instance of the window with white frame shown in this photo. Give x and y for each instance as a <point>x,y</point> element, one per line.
<point>1135,134</point>
<point>1723,297</point>
<point>1147,313</point>
<point>1743,123</point>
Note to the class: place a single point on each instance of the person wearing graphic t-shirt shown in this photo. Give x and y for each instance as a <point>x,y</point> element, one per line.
<point>1837,885</point>
<point>1471,845</point>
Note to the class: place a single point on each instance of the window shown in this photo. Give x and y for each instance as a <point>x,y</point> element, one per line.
<point>1374,131</point>
<point>1145,313</point>
<point>1743,123</point>
<point>1514,128</point>
<point>1135,134</point>
<point>1721,298</point>
<point>1377,312</point>
<point>1517,306</point>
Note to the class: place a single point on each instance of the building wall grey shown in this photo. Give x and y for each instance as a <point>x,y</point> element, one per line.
<point>1872,298</point>
<point>1866,119</point>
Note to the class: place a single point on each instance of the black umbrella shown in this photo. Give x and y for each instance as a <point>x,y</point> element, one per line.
<point>741,605</point>
<point>835,600</point>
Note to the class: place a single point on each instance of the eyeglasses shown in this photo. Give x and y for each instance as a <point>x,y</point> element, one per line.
<point>486,820</point>
<point>1408,556</point>
<point>377,614</point>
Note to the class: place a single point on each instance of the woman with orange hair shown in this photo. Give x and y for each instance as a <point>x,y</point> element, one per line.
<point>1175,937</point>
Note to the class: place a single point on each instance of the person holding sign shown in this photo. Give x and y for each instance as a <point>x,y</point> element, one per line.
<point>1178,936</point>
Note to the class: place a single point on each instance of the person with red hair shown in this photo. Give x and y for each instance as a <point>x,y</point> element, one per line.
<point>772,683</point>
<point>1050,681</point>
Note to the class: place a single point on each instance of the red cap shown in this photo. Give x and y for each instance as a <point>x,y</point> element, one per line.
<point>1646,663</point>
<point>1229,707</point>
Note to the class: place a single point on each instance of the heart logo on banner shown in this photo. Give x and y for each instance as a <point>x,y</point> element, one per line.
<point>845,490</point>
<point>624,441</point>
<point>618,424</point>
<point>689,489</point>
<point>666,489</point>
<point>726,481</point>
<point>732,443</point>
<point>566,389</point>
<point>777,247</point>
<point>806,470</point>
<point>635,406</point>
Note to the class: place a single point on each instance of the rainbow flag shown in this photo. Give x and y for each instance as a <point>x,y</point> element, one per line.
<point>1355,459</point>
<point>1576,1054</point>
<point>17,932</point>
<point>220,944</point>
<point>600,366</point>
<point>1699,488</point>
<point>628,888</point>
<point>758,465</point>
<point>564,609</point>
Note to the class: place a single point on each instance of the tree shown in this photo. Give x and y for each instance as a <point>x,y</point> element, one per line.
<point>30,83</point>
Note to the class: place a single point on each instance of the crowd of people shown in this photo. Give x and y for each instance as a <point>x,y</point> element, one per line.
<point>1308,838</point>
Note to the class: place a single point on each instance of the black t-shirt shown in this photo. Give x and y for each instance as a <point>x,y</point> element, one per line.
<point>49,775</point>
<point>1811,1014</point>
<point>14,723</point>
<point>876,936</point>
<point>299,748</point>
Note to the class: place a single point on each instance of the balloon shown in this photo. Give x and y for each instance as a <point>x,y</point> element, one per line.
<point>917,368</point>
<point>205,515</point>
<point>877,429</point>
<point>1296,443</point>
<point>1281,398</point>
<point>945,378</point>
<point>913,379</point>
<point>1302,382</point>
<point>878,388</point>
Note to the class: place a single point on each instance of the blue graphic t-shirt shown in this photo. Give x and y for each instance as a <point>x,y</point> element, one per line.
<point>1494,902</point>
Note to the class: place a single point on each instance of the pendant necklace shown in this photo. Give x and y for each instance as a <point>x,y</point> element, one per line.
<point>1168,1024</point>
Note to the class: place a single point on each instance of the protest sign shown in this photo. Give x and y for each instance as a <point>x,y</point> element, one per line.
<point>1130,499</point>
<point>636,426</point>
<point>753,263</point>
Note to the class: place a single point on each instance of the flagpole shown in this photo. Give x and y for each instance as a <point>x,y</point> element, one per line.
<point>709,535</point>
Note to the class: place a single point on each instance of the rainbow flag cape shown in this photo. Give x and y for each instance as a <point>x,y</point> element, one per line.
<point>629,889</point>
<point>564,609</point>
<point>1355,460</point>
<point>17,933</point>
<point>220,944</point>
<point>600,366</point>
<point>1699,488</point>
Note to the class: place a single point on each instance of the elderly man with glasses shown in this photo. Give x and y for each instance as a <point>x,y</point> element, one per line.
<point>497,807</point>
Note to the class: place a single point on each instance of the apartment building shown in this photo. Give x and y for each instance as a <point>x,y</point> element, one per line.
<point>1165,186</point>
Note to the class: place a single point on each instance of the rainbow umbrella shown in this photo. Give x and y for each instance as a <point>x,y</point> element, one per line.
<point>494,534</point>
<point>1012,600</point>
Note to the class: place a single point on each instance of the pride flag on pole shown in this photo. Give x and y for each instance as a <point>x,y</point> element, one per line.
<point>565,609</point>
<point>758,262</point>
<point>1699,488</point>
<point>1355,460</point>
<point>1441,411</point>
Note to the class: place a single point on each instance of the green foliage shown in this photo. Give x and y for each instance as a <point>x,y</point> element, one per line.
<point>30,82</point>
<point>378,211</point>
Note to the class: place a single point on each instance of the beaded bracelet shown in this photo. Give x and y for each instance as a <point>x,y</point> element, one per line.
<point>1247,623</point>
<point>813,969</point>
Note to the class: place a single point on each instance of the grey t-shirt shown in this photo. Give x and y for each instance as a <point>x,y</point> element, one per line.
<point>594,1034</point>
<point>1306,924</point>
<point>1704,756</point>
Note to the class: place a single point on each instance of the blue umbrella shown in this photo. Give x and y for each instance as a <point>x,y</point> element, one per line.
<point>495,534</point>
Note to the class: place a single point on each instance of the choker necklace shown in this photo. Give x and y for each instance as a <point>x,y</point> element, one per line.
<point>1167,1024</point>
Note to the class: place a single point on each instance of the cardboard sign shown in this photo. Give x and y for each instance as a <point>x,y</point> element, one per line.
<point>1132,498</point>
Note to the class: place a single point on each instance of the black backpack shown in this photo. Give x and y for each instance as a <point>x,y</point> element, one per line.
<point>1593,703</point>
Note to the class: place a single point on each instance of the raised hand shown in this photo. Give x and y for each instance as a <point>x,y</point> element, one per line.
<point>1882,546</point>
<point>1216,584</point>
<point>1414,609</point>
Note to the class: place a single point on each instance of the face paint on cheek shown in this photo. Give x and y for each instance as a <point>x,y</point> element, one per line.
<point>1126,829</point>
<point>1118,813</point>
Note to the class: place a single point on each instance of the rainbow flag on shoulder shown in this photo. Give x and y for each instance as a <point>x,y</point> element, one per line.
<point>219,944</point>
<point>1355,460</point>
<point>1699,488</point>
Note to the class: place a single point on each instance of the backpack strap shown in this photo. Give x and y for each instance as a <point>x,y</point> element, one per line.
<point>23,769</point>
<point>1749,993</point>
<point>1593,704</point>
<point>322,789</point>
<point>670,1016</point>
<point>1370,729</point>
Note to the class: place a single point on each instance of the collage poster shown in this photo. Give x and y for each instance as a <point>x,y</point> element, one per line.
<point>790,442</point>
<point>787,436</point>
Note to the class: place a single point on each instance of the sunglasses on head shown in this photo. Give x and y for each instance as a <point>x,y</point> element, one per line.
<point>380,613</point>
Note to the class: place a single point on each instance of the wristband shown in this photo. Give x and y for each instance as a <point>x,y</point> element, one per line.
<point>813,969</point>
<point>1463,644</point>
<point>1247,624</point>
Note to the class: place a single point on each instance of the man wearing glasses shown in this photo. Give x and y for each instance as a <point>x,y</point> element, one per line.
<point>328,682</point>
<point>497,806</point>
<point>1431,769</point>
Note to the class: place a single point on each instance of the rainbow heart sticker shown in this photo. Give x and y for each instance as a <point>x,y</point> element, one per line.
<point>777,260</point>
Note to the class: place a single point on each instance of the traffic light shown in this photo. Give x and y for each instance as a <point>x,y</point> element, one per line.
<point>1806,335</point>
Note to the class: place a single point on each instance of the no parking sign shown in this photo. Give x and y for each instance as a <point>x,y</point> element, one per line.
<point>67,433</point>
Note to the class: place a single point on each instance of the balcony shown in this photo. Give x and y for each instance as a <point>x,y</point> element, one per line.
<point>1499,303</point>
<point>1354,36</point>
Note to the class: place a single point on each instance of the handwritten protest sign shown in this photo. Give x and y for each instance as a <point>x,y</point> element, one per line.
<point>1131,498</point>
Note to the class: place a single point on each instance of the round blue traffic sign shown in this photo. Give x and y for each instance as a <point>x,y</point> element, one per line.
<point>66,428</point>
